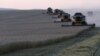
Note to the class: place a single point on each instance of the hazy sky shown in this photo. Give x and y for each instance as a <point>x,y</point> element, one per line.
<point>43,4</point>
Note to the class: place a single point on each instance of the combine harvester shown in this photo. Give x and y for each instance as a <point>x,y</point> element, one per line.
<point>78,20</point>
<point>63,17</point>
<point>57,13</point>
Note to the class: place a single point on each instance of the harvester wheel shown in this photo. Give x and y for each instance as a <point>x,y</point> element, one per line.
<point>61,20</point>
<point>73,23</point>
<point>84,23</point>
<point>69,19</point>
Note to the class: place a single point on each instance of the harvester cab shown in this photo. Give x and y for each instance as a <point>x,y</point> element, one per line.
<point>60,14</point>
<point>66,18</point>
<point>57,12</point>
<point>49,10</point>
<point>79,19</point>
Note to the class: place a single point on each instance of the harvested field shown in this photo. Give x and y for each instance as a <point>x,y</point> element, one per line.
<point>27,29</point>
<point>54,49</point>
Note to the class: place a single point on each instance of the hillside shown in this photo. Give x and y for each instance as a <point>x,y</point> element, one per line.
<point>6,9</point>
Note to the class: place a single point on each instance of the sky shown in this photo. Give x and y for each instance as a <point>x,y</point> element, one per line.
<point>43,4</point>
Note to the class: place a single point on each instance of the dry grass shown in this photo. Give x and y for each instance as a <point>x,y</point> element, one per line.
<point>84,48</point>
